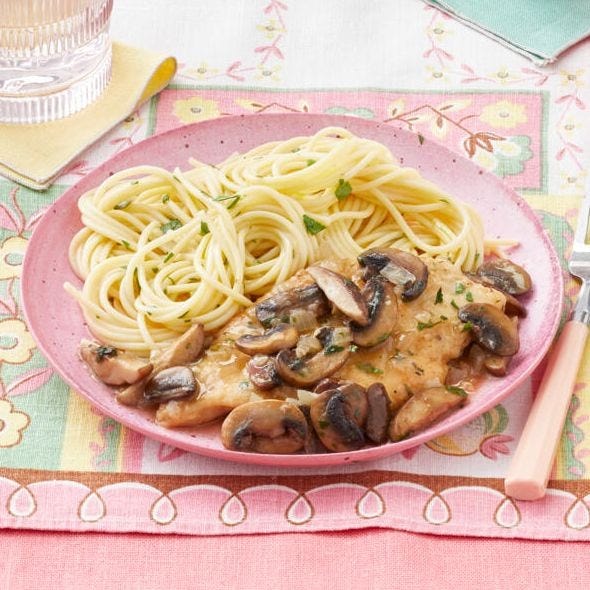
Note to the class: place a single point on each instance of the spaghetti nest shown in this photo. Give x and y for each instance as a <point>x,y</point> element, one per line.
<point>160,251</point>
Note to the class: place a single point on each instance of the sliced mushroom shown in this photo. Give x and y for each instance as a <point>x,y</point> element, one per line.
<point>171,383</point>
<point>266,426</point>
<point>273,340</point>
<point>513,306</point>
<point>113,366</point>
<point>383,313</point>
<point>305,372</point>
<point>491,328</point>
<point>342,292</point>
<point>338,417</point>
<point>276,308</point>
<point>424,409</point>
<point>506,276</point>
<point>399,267</point>
<point>496,365</point>
<point>262,372</point>
<point>183,351</point>
<point>379,414</point>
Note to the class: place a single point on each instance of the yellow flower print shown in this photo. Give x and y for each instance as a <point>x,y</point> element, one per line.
<point>437,75</point>
<point>572,78</point>
<point>195,109</point>
<point>16,344</point>
<point>504,114</point>
<point>569,126</point>
<point>503,76</point>
<point>12,423</point>
<point>438,31</point>
<point>271,28</point>
<point>485,159</point>
<point>202,71</point>
<point>268,73</point>
<point>11,257</point>
<point>573,182</point>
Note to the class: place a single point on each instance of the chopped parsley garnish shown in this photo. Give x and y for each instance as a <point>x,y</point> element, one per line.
<point>126,244</point>
<point>183,315</point>
<point>343,189</point>
<point>165,198</point>
<point>439,296</point>
<point>456,390</point>
<point>454,304</point>
<point>171,225</point>
<point>312,226</point>
<point>168,256</point>
<point>333,348</point>
<point>459,288</point>
<point>122,205</point>
<point>234,200</point>
<point>467,326</point>
<point>105,352</point>
<point>244,384</point>
<point>369,368</point>
<point>310,162</point>
<point>469,296</point>
<point>133,182</point>
<point>424,325</point>
<point>204,228</point>
<point>323,423</point>
<point>353,348</point>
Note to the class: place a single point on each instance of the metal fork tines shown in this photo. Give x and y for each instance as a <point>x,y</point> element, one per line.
<point>579,264</point>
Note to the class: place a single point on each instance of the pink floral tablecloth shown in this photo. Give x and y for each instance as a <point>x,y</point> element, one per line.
<point>64,466</point>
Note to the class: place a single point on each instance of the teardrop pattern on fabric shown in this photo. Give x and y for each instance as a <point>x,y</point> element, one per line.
<point>163,510</point>
<point>233,511</point>
<point>578,515</point>
<point>507,515</point>
<point>92,508</point>
<point>437,511</point>
<point>299,511</point>
<point>21,502</point>
<point>371,505</point>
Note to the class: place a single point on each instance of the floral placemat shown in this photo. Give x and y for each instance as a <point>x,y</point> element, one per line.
<point>65,466</point>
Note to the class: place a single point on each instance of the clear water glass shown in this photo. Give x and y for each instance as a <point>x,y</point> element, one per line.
<point>55,57</point>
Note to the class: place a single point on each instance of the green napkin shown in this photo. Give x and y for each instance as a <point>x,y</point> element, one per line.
<point>539,29</point>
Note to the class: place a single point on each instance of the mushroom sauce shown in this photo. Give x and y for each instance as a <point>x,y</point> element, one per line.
<point>344,354</point>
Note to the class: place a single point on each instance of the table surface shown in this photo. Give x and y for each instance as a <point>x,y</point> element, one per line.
<point>297,55</point>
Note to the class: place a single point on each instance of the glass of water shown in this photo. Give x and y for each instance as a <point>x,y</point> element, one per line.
<point>55,57</point>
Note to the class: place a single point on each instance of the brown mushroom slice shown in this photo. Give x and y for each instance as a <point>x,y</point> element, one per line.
<point>424,409</point>
<point>399,267</point>
<point>496,365</point>
<point>305,372</point>
<point>113,366</point>
<point>513,306</point>
<point>265,426</point>
<point>383,313</point>
<point>273,340</point>
<point>276,308</point>
<point>506,276</point>
<point>171,383</point>
<point>182,351</point>
<point>342,292</point>
<point>378,415</point>
<point>491,328</point>
<point>262,372</point>
<point>338,417</point>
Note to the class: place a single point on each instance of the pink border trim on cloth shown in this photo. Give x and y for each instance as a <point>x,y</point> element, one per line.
<point>279,508</point>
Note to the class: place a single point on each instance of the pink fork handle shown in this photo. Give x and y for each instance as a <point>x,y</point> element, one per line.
<point>532,462</point>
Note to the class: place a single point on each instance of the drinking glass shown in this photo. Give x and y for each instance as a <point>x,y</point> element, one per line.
<point>55,57</point>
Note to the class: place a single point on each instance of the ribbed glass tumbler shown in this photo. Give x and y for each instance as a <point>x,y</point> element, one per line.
<point>55,57</point>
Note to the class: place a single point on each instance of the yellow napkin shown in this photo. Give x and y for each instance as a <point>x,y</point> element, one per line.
<point>33,155</point>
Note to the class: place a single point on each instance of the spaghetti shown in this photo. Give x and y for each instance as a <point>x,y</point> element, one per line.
<point>160,250</point>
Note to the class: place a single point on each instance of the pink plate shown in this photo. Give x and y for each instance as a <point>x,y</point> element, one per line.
<point>57,323</point>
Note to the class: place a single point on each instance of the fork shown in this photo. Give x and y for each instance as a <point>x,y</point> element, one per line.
<point>531,465</point>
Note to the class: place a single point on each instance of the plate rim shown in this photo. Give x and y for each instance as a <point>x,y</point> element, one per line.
<point>170,436</point>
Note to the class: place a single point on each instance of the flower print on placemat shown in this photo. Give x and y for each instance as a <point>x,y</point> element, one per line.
<point>195,109</point>
<point>504,114</point>
<point>508,157</point>
<point>12,424</point>
<point>362,112</point>
<point>264,62</point>
<point>483,435</point>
